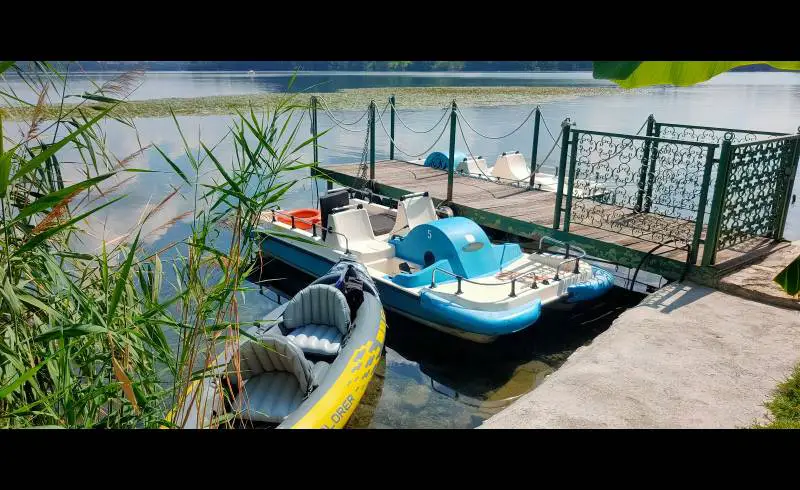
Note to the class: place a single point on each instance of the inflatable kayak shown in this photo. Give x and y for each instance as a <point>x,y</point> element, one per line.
<point>306,365</point>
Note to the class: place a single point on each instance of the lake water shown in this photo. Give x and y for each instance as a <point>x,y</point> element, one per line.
<point>428,379</point>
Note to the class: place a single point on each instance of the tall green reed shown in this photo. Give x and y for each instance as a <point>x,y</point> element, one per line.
<point>82,334</point>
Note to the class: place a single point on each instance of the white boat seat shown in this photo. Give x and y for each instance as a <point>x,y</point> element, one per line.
<point>414,211</point>
<point>317,339</point>
<point>276,378</point>
<point>511,166</point>
<point>475,167</point>
<point>370,250</point>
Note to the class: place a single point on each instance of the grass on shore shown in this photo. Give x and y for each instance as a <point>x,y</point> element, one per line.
<point>785,407</point>
<point>407,98</point>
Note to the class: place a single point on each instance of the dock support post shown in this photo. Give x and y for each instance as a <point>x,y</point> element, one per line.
<point>714,220</point>
<point>451,162</point>
<point>562,168</point>
<point>372,141</point>
<point>535,148</point>
<point>391,128</point>
<point>644,166</point>
<point>701,206</point>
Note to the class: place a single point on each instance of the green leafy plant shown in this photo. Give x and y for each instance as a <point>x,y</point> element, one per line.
<point>789,278</point>
<point>630,74</point>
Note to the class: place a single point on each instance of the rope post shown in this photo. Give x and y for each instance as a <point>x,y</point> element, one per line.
<point>535,149</point>
<point>372,140</point>
<point>562,167</point>
<point>645,164</point>
<point>391,128</point>
<point>451,162</point>
<point>314,128</point>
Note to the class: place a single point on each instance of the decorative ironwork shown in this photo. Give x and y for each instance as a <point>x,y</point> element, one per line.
<point>708,134</point>
<point>756,188</point>
<point>643,187</point>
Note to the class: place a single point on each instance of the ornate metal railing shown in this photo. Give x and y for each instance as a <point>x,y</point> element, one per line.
<point>756,180</point>
<point>644,187</point>
<point>709,134</point>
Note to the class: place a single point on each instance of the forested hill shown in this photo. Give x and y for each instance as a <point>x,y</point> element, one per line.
<point>478,66</point>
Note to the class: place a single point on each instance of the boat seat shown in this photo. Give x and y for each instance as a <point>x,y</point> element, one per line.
<point>276,378</point>
<point>355,224</point>
<point>372,249</point>
<point>412,212</point>
<point>317,339</point>
<point>317,319</point>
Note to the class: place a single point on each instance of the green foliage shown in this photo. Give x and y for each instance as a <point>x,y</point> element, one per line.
<point>785,407</point>
<point>630,74</point>
<point>789,278</point>
<point>83,334</point>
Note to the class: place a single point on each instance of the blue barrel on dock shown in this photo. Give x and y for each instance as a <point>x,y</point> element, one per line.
<point>440,160</point>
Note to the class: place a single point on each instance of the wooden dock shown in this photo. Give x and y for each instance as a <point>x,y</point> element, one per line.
<point>518,211</point>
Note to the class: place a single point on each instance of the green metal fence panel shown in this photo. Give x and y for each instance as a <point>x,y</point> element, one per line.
<point>711,134</point>
<point>791,172</point>
<point>758,184</point>
<point>606,190</point>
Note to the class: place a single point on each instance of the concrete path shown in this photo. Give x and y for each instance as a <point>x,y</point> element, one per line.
<point>688,356</point>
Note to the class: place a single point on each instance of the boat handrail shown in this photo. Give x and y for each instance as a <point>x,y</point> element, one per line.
<point>348,207</point>
<point>353,191</point>
<point>513,280</point>
<point>413,194</point>
<point>567,246</point>
<point>314,226</point>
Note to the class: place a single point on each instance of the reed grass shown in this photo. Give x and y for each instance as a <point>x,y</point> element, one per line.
<point>84,336</point>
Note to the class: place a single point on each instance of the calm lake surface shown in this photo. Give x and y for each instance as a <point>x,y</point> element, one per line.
<point>428,379</point>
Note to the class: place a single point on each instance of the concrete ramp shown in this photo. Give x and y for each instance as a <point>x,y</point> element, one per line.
<point>687,356</point>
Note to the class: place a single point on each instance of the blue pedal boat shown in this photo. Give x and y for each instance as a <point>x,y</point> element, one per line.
<point>441,272</point>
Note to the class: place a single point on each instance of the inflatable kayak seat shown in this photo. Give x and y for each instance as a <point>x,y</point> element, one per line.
<point>317,319</point>
<point>317,339</point>
<point>276,378</point>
